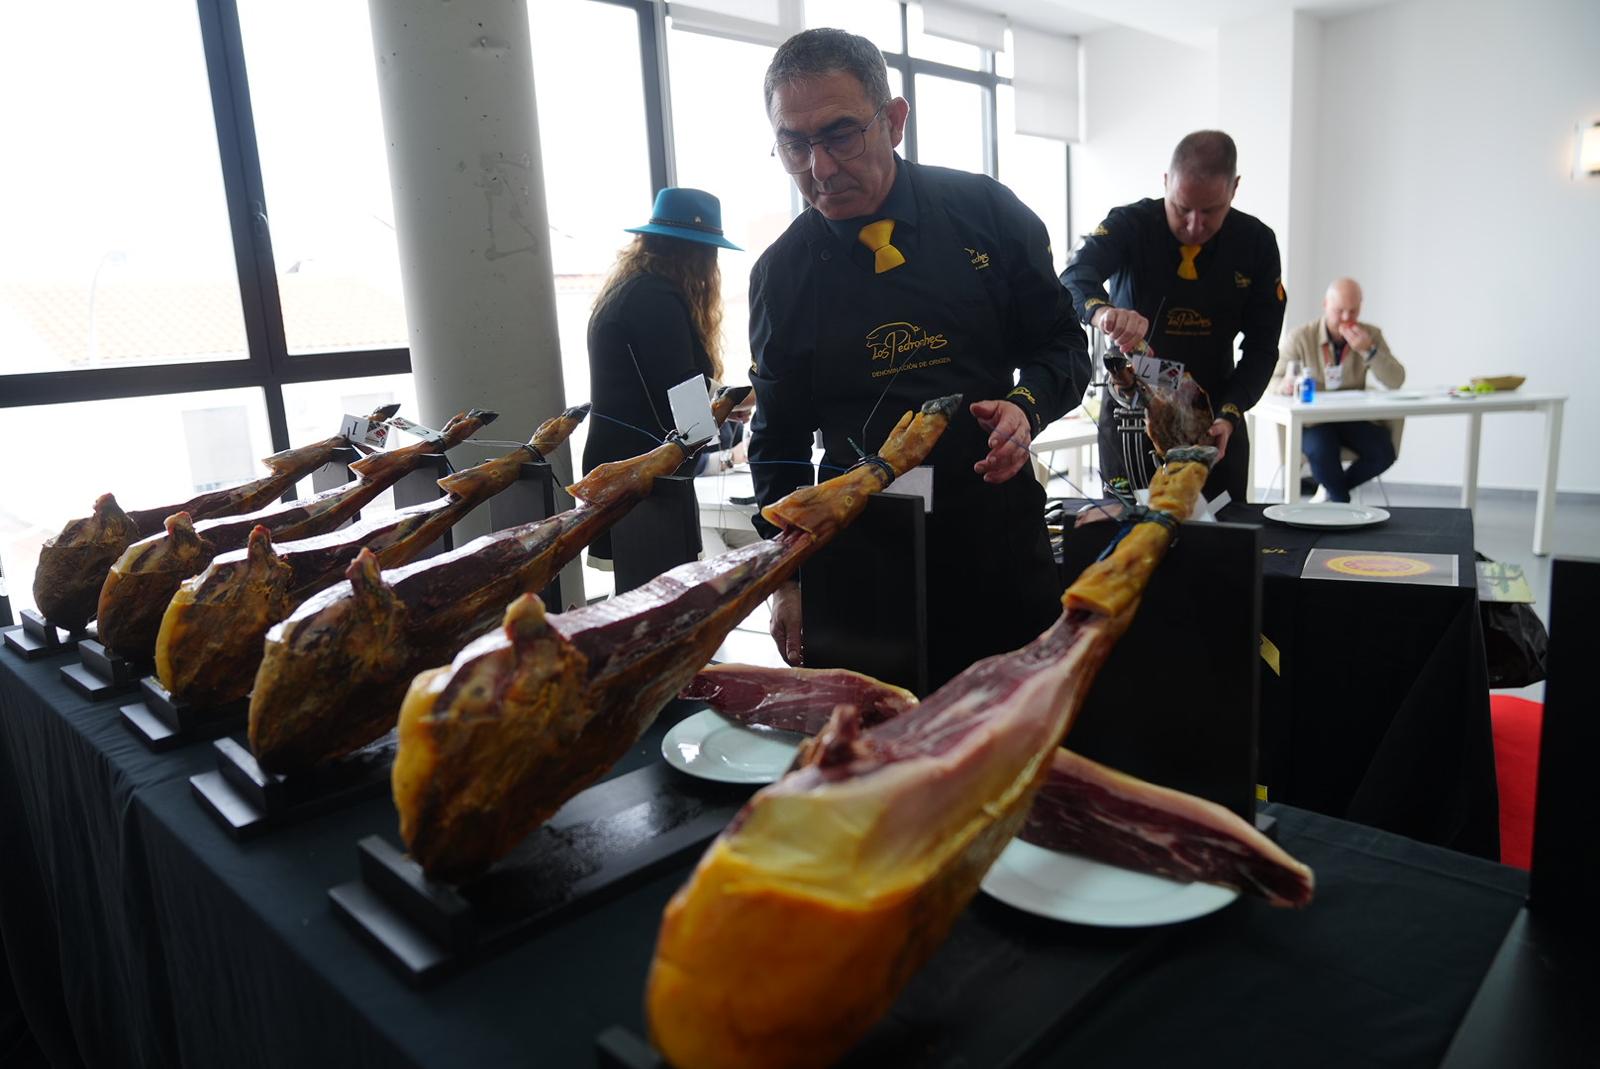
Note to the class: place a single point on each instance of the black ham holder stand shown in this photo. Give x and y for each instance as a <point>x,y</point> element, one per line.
<point>247,800</point>
<point>659,533</point>
<point>1534,1005</point>
<point>38,637</point>
<point>163,722</point>
<point>885,634</point>
<point>603,841</point>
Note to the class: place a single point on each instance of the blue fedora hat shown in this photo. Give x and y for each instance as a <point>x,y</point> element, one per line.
<point>690,214</point>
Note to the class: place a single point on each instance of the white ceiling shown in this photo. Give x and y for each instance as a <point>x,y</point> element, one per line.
<point>1192,22</point>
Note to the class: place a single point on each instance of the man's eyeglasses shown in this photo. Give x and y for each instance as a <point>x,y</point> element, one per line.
<point>845,143</point>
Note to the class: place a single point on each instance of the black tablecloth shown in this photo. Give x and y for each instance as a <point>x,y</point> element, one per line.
<point>1379,709</point>
<point>138,933</point>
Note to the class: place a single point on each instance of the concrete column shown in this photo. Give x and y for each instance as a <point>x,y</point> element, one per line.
<point>455,80</point>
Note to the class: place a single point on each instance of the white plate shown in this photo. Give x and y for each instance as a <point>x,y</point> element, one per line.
<point>1066,887</point>
<point>710,747</point>
<point>1326,514</point>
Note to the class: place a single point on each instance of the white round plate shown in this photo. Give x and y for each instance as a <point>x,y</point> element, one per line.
<point>708,746</point>
<point>1066,887</point>
<point>1327,514</point>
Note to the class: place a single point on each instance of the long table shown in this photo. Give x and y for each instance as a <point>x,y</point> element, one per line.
<point>1342,406</point>
<point>141,934</point>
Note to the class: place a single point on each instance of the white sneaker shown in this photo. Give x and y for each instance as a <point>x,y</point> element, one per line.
<point>1320,496</point>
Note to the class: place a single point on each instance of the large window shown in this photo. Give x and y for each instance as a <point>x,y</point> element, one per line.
<point>320,135</point>
<point>199,263</point>
<point>723,144</point>
<point>594,139</point>
<point>116,247</point>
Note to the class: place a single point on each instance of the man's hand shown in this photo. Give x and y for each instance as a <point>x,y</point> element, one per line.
<point>741,411</point>
<point>784,606</point>
<point>1357,337</point>
<point>1126,327</point>
<point>1009,438</point>
<point>1221,430</point>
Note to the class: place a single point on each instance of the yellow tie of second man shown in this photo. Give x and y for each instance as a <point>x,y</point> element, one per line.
<point>875,236</point>
<point>1186,269</point>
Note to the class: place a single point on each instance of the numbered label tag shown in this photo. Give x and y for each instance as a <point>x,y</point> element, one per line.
<point>690,402</point>
<point>427,434</point>
<point>361,431</point>
<point>1157,372</point>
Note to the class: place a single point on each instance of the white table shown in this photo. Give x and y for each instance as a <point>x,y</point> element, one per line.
<point>1075,431</point>
<point>1338,406</point>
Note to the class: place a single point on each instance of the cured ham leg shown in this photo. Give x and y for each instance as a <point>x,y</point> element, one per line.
<point>1086,808</point>
<point>333,673</point>
<point>209,645</point>
<point>73,564</point>
<point>1083,808</point>
<point>523,719</point>
<point>794,699</point>
<point>876,845</point>
<point>1174,415</point>
<point>144,578</point>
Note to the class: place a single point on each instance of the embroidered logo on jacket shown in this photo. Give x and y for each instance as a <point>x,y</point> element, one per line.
<point>905,346</point>
<point>980,260</point>
<point>1187,321</point>
<point>1242,281</point>
<point>1099,231</point>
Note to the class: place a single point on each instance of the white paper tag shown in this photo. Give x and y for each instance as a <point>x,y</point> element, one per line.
<point>1333,376</point>
<point>690,402</point>
<point>427,434</point>
<point>918,482</point>
<point>1157,372</point>
<point>362,431</point>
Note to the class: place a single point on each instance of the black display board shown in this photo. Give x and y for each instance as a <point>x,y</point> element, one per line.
<point>336,472</point>
<point>660,532</point>
<point>865,603</point>
<point>1535,1005</point>
<point>421,486</point>
<point>1177,701</point>
<point>532,497</point>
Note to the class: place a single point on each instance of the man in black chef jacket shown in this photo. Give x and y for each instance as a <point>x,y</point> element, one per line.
<point>902,283</point>
<point>1187,274</point>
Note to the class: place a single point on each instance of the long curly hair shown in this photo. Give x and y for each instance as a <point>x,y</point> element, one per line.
<point>692,267</point>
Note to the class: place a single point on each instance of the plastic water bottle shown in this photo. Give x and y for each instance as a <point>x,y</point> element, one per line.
<point>1308,389</point>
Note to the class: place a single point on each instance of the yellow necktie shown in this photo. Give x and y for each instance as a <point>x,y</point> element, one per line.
<point>875,236</point>
<point>1187,269</point>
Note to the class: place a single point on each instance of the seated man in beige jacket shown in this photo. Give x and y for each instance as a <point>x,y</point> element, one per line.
<point>1339,351</point>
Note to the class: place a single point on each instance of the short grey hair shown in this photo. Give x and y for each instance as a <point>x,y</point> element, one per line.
<point>822,51</point>
<point>1205,154</point>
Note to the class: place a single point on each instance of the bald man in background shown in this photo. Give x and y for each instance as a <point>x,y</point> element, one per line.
<point>1340,352</point>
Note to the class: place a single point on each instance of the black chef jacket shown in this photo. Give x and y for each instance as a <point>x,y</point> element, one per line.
<point>976,309</point>
<point>1194,322</point>
<point>629,392</point>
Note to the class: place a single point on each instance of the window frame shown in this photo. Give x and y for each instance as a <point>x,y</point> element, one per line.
<point>268,364</point>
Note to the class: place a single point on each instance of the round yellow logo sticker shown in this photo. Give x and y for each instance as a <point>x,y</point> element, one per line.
<point>1379,565</point>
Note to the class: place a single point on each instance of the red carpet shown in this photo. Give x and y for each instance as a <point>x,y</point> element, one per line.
<point>1516,765</point>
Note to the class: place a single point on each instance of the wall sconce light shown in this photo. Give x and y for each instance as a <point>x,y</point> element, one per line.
<point>1586,153</point>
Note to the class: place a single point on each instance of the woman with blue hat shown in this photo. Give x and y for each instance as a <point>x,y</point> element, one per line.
<point>656,322</point>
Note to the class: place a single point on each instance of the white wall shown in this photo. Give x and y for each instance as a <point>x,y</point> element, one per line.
<point>1141,93</point>
<point>1443,184</point>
